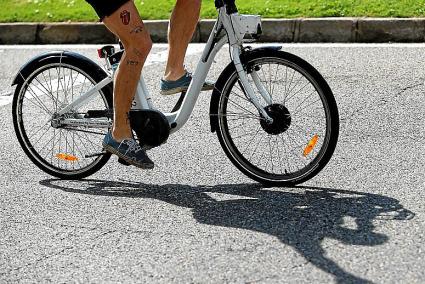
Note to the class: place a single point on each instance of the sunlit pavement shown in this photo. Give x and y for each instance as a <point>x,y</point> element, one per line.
<point>196,218</point>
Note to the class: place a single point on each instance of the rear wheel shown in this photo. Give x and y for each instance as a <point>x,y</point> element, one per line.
<point>304,132</point>
<point>64,152</point>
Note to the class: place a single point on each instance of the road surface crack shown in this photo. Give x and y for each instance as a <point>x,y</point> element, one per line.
<point>43,258</point>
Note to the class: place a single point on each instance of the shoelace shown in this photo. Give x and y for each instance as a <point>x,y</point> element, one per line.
<point>133,146</point>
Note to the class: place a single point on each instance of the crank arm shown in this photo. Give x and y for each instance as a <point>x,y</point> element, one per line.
<point>95,155</point>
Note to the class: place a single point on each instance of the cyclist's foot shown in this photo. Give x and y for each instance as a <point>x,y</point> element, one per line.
<point>128,150</point>
<point>181,85</point>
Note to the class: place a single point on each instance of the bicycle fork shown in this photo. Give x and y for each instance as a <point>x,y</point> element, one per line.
<point>247,87</point>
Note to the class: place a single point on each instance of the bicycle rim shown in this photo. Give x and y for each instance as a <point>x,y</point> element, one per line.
<point>276,154</point>
<point>59,151</point>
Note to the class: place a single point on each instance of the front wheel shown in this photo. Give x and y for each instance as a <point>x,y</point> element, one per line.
<point>304,133</point>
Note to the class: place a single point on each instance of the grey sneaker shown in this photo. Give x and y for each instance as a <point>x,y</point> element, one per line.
<point>181,85</point>
<point>128,150</point>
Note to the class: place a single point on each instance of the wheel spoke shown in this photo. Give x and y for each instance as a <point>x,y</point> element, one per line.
<point>275,155</point>
<point>255,150</point>
<point>45,92</point>
<point>297,92</point>
<point>239,106</point>
<point>297,110</point>
<point>50,91</point>
<point>252,140</point>
<point>289,86</point>
<point>239,115</point>
<point>42,136</point>
<point>275,79</point>
<point>39,103</point>
<point>38,130</point>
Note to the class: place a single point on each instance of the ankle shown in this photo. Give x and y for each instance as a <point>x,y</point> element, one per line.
<point>119,136</point>
<point>174,76</point>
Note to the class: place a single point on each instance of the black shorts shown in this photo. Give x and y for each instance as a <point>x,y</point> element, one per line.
<point>105,8</point>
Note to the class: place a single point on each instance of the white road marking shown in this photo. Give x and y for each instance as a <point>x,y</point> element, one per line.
<point>160,57</point>
<point>5,94</point>
<point>153,58</point>
<point>5,100</point>
<point>197,48</point>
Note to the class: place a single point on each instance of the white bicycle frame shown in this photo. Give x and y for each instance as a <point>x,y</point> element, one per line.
<point>236,27</point>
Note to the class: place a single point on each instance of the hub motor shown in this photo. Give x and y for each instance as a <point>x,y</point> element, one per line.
<point>281,119</point>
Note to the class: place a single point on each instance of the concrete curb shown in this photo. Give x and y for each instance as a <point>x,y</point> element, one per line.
<point>366,30</point>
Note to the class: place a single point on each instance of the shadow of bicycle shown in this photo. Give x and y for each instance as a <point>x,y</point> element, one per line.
<point>301,218</point>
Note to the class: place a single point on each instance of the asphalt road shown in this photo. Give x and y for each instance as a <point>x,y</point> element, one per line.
<point>197,219</point>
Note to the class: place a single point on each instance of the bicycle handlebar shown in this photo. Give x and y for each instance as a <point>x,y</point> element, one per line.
<point>229,4</point>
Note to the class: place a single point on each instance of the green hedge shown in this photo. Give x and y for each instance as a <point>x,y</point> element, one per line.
<point>79,10</point>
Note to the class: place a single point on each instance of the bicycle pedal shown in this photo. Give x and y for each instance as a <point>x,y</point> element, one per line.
<point>94,155</point>
<point>123,162</point>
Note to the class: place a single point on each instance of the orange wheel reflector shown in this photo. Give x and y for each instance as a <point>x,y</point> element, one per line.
<point>66,157</point>
<point>310,145</point>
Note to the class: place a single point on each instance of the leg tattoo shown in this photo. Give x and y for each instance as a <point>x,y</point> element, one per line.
<point>125,17</point>
<point>137,30</point>
<point>137,52</point>
<point>133,63</point>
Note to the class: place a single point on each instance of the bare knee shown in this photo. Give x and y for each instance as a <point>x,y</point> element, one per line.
<point>139,43</point>
<point>137,50</point>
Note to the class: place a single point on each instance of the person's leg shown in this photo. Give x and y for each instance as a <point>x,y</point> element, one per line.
<point>183,22</point>
<point>128,26</point>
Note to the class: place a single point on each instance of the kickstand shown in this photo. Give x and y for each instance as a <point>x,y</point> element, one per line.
<point>179,102</point>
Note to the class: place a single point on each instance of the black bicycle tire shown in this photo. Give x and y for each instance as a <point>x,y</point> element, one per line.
<point>66,175</point>
<point>330,100</point>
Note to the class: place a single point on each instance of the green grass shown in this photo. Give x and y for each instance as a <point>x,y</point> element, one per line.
<point>79,10</point>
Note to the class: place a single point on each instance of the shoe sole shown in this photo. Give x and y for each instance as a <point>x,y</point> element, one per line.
<point>173,91</point>
<point>112,150</point>
<point>182,89</point>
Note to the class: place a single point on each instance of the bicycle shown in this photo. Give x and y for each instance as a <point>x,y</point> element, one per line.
<point>274,114</point>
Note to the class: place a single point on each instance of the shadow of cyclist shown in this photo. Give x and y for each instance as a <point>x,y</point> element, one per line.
<point>301,218</point>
